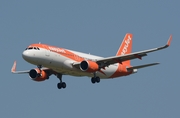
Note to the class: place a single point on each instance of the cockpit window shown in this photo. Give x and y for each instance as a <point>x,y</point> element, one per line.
<point>30,48</point>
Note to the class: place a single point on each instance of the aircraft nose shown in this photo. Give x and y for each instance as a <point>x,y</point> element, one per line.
<point>25,55</point>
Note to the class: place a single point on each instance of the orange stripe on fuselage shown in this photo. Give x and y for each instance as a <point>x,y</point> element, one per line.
<point>60,51</point>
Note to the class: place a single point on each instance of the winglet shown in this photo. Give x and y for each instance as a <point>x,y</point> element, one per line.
<point>169,40</point>
<point>13,69</point>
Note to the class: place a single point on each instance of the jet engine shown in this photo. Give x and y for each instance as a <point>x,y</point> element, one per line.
<point>89,66</point>
<point>38,75</point>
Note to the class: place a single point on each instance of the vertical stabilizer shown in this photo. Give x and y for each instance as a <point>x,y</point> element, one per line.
<point>126,47</point>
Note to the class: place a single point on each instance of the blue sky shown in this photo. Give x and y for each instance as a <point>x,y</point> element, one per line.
<point>96,27</point>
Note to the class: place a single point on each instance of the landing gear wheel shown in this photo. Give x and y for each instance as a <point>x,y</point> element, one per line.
<point>59,85</point>
<point>95,79</point>
<point>63,85</point>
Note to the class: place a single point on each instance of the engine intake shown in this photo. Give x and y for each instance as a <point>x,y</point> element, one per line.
<point>89,66</point>
<point>38,75</point>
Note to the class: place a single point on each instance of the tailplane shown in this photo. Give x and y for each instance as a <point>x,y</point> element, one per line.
<point>141,66</point>
<point>126,47</point>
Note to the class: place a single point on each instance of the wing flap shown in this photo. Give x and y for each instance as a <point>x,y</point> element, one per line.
<point>120,59</point>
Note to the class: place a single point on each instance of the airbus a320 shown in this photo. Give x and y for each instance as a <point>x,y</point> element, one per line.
<point>52,60</point>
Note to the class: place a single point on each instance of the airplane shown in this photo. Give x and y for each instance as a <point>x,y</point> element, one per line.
<point>52,60</point>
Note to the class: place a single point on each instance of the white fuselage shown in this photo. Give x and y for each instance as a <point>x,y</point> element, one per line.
<point>63,64</point>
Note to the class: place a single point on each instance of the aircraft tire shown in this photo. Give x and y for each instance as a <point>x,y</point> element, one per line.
<point>63,85</point>
<point>59,85</point>
<point>97,79</point>
<point>93,80</point>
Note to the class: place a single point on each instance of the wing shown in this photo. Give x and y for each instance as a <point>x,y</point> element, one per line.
<point>119,59</point>
<point>13,69</point>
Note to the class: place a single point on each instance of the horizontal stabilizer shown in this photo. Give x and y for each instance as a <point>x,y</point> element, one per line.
<point>141,66</point>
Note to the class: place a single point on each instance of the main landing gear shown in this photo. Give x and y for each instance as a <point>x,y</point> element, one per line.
<point>60,84</point>
<point>95,79</point>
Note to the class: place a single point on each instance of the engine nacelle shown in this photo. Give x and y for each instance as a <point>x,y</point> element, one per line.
<point>89,66</point>
<point>38,75</point>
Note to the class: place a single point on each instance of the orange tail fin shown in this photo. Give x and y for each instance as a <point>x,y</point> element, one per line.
<point>126,47</point>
